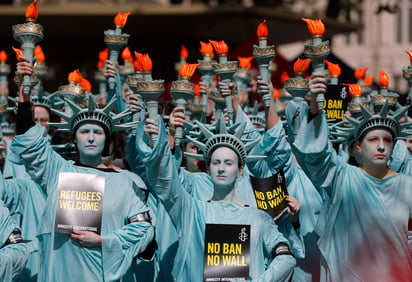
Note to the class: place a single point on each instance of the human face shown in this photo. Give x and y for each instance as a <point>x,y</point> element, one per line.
<point>90,138</point>
<point>409,144</point>
<point>192,163</point>
<point>376,147</point>
<point>41,116</point>
<point>223,168</point>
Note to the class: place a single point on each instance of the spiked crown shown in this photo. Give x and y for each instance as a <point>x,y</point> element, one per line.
<point>359,126</point>
<point>92,113</point>
<point>256,119</point>
<point>224,138</point>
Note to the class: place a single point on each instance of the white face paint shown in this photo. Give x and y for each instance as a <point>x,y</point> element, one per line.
<point>223,168</point>
<point>376,147</point>
<point>90,139</point>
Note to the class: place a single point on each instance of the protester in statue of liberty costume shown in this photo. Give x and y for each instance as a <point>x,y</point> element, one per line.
<point>13,252</point>
<point>190,216</point>
<point>126,230</point>
<point>301,219</point>
<point>365,221</point>
<point>31,198</point>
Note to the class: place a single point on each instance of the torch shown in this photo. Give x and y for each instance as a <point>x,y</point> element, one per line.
<point>115,40</point>
<point>4,71</point>
<point>149,89</point>
<point>298,86</point>
<point>72,91</point>
<point>98,76</point>
<point>40,67</point>
<point>28,34</point>
<point>206,69</point>
<point>264,55</point>
<point>184,54</point>
<point>317,51</point>
<point>355,91</point>
<point>334,72</point>
<point>182,91</point>
<point>378,99</point>
<point>225,69</point>
<point>242,76</point>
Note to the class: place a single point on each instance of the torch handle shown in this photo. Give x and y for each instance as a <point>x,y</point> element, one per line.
<point>320,100</point>
<point>28,50</point>
<point>152,109</point>
<point>229,108</point>
<point>206,79</point>
<point>264,72</point>
<point>114,55</point>
<point>179,130</point>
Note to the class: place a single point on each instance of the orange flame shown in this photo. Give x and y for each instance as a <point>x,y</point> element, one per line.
<point>355,89</point>
<point>187,70</point>
<point>368,80</point>
<point>315,27</point>
<point>100,64</point>
<point>197,90</point>
<point>121,19</point>
<point>104,55</point>
<point>206,48</point>
<point>127,55</point>
<point>410,54</point>
<point>32,12</point>
<point>184,53</point>
<point>301,65</point>
<point>276,94</point>
<point>220,46</point>
<point>360,73</point>
<point>18,52</point>
<point>3,56</point>
<point>85,84</point>
<point>75,76</point>
<point>334,69</point>
<point>145,63</point>
<point>245,62</point>
<point>383,79</point>
<point>284,76</point>
<point>38,52</point>
<point>262,30</point>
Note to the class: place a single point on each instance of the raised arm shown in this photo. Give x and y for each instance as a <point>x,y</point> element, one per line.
<point>312,147</point>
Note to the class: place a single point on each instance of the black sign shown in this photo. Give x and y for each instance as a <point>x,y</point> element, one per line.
<point>79,202</point>
<point>270,194</point>
<point>227,252</point>
<point>336,102</point>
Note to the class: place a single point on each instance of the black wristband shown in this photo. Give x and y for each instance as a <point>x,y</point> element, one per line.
<point>282,249</point>
<point>140,217</point>
<point>24,118</point>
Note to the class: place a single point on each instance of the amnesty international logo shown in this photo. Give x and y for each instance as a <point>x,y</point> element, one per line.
<point>343,93</point>
<point>243,236</point>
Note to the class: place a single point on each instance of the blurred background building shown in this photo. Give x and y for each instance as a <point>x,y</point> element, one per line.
<point>363,33</point>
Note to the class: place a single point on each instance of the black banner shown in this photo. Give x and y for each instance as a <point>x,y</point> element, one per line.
<point>79,202</point>
<point>336,102</point>
<point>227,252</point>
<point>270,194</point>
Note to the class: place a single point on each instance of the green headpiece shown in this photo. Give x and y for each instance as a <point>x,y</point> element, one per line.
<point>224,138</point>
<point>257,119</point>
<point>92,113</point>
<point>47,101</point>
<point>367,120</point>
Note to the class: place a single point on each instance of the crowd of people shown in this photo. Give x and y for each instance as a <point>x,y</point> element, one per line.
<point>96,189</point>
